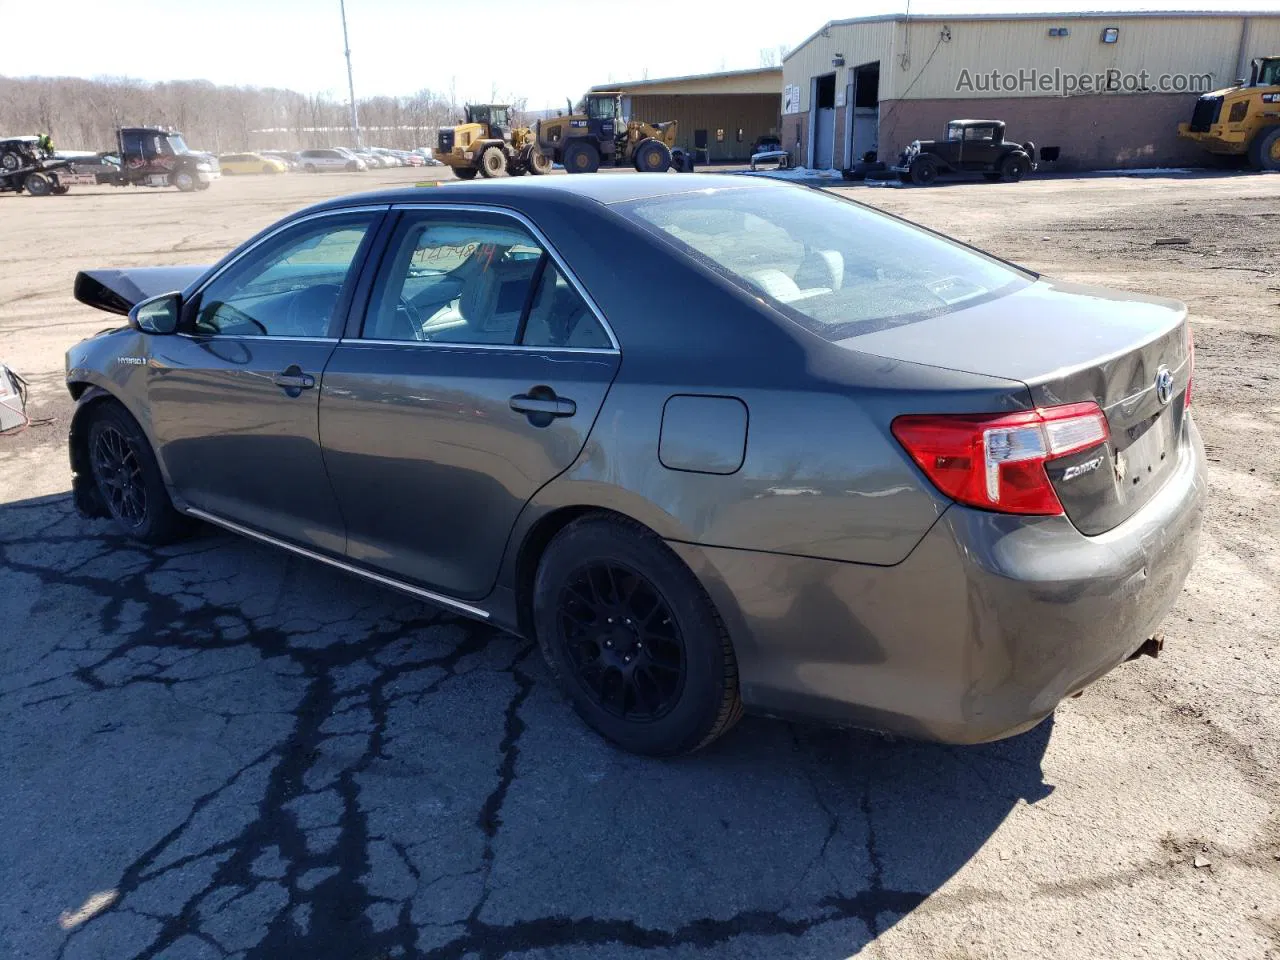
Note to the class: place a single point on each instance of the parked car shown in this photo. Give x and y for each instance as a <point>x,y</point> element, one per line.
<point>234,163</point>
<point>289,157</point>
<point>409,159</point>
<point>392,157</point>
<point>852,471</point>
<point>371,160</point>
<point>330,158</point>
<point>970,145</point>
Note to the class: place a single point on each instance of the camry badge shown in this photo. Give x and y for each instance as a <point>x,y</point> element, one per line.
<point>1164,386</point>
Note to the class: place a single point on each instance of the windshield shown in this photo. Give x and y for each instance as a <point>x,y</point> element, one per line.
<point>1269,73</point>
<point>833,266</point>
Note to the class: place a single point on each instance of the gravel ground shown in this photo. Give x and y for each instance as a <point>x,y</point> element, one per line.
<point>217,750</point>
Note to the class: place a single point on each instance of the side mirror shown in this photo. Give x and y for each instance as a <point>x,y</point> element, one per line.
<point>157,316</point>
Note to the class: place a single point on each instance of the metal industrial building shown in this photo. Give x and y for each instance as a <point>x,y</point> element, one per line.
<point>874,84</point>
<point>720,114</point>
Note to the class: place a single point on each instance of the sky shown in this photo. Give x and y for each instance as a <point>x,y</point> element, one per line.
<point>488,50</point>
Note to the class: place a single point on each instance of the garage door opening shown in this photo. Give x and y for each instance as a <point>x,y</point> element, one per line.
<point>862,125</point>
<point>822,132</point>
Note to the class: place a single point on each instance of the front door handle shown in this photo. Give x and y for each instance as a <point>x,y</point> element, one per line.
<point>293,381</point>
<point>542,406</point>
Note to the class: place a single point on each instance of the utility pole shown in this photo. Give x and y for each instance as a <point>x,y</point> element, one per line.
<point>351,84</point>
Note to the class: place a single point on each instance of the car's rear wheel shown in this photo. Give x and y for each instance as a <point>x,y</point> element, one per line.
<point>634,638</point>
<point>1014,167</point>
<point>128,478</point>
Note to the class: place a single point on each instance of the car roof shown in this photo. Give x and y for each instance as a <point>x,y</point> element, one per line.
<point>604,188</point>
<point>974,123</point>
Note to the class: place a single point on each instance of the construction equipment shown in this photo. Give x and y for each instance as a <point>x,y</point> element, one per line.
<point>1243,119</point>
<point>487,144</point>
<point>583,141</point>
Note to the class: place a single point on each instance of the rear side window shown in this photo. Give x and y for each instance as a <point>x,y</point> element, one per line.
<point>835,267</point>
<point>475,278</point>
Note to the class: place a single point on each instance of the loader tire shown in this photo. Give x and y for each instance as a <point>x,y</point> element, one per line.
<point>492,162</point>
<point>537,162</point>
<point>1264,152</point>
<point>464,173</point>
<point>581,157</point>
<point>652,156</point>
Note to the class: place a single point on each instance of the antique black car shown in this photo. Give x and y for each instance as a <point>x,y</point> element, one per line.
<point>970,145</point>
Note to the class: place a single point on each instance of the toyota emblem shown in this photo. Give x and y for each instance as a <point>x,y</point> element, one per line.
<point>1164,385</point>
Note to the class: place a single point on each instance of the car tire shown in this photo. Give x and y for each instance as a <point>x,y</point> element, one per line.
<point>311,168</point>
<point>537,162</point>
<point>268,168</point>
<point>61,190</point>
<point>465,173</point>
<point>183,180</point>
<point>581,157</point>
<point>128,479</point>
<point>202,184</point>
<point>634,639</point>
<point>493,162</point>
<point>1014,167</point>
<point>10,161</point>
<point>1264,151</point>
<point>924,171</point>
<point>38,185</point>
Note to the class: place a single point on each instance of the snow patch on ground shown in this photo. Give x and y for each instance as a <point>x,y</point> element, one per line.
<point>802,173</point>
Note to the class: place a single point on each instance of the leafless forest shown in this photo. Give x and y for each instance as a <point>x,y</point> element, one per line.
<point>83,114</point>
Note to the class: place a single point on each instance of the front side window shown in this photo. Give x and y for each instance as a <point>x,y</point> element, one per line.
<point>475,278</point>
<point>833,266</point>
<point>287,287</point>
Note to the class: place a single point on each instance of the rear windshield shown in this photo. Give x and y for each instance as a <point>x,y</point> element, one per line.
<point>835,267</point>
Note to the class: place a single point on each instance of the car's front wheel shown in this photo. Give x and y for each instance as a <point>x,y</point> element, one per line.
<point>636,642</point>
<point>128,478</point>
<point>1014,167</point>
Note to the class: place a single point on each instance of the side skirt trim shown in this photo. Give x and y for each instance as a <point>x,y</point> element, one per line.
<point>386,581</point>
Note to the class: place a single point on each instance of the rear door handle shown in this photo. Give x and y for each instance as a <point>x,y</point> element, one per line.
<point>543,405</point>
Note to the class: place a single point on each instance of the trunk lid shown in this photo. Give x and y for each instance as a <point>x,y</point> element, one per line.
<point>1071,343</point>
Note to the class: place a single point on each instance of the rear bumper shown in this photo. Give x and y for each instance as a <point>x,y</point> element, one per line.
<point>977,635</point>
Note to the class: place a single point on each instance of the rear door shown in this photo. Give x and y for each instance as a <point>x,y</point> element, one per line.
<point>474,380</point>
<point>234,394</point>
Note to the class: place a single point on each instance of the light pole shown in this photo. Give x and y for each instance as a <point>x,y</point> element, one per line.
<point>351,84</point>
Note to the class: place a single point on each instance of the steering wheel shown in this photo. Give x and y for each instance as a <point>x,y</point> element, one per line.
<point>306,304</point>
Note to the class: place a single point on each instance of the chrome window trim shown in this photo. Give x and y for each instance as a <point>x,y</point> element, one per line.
<point>508,347</point>
<point>255,337</point>
<point>279,229</point>
<point>437,598</point>
<point>546,245</point>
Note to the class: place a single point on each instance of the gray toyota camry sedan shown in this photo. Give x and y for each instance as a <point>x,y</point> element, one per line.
<point>717,443</point>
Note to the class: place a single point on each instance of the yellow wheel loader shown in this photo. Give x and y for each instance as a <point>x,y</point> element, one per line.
<point>1243,119</point>
<point>582,142</point>
<point>487,144</point>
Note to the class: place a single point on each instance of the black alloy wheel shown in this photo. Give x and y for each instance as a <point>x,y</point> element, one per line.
<point>623,642</point>
<point>118,471</point>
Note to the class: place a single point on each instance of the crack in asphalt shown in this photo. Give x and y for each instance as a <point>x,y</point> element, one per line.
<point>166,613</point>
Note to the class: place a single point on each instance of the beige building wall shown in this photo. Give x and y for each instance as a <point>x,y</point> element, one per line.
<point>922,63</point>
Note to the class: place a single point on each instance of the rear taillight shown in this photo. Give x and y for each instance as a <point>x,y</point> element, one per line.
<point>997,461</point>
<point>1191,372</point>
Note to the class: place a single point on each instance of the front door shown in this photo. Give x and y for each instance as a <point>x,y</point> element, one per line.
<point>234,394</point>
<point>474,381</point>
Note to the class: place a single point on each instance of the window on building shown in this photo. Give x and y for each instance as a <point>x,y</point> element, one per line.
<point>740,135</point>
<point>720,135</point>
